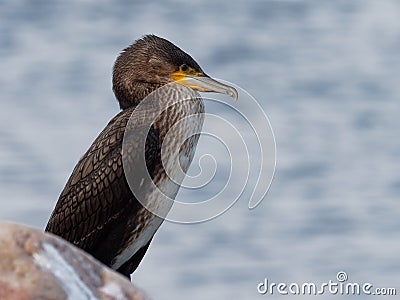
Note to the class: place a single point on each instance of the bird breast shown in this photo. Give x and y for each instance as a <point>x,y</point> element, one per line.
<point>179,114</point>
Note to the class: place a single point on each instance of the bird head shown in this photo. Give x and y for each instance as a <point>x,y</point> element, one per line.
<point>152,62</point>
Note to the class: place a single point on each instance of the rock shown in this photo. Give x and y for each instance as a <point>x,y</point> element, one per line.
<point>36,265</point>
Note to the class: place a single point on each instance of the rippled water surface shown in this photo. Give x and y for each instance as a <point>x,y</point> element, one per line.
<point>325,72</point>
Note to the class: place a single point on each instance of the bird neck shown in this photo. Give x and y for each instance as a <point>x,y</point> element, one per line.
<point>133,94</point>
<point>176,107</point>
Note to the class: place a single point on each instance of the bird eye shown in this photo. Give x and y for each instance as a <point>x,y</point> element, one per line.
<point>184,68</point>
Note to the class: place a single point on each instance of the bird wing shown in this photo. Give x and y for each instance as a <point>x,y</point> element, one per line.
<point>97,199</point>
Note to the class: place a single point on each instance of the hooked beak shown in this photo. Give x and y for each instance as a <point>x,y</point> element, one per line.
<point>204,83</point>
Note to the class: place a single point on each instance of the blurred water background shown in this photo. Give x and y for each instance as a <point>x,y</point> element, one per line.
<point>325,72</point>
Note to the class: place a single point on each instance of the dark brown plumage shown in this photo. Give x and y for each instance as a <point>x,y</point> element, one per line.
<point>97,211</point>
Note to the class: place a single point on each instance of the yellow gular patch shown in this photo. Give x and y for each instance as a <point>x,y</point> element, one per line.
<point>180,75</point>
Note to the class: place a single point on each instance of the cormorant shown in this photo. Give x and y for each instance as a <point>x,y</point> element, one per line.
<point>97,210</point>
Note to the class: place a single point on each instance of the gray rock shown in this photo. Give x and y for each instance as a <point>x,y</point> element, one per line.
<point>36,265</point>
